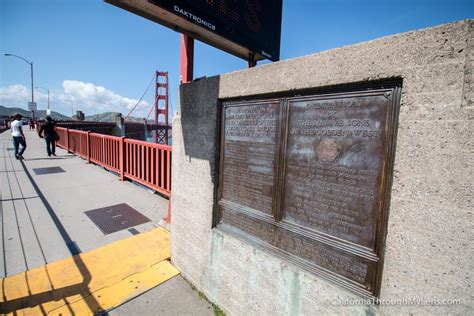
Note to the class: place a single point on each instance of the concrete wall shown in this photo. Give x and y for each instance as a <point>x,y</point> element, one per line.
<point>430,237</point>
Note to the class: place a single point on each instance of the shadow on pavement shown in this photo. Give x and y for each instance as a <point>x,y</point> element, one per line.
<point>34,300</point>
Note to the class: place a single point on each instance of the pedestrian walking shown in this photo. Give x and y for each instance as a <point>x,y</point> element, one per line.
<point>48,132</point>
<point>18,137</point>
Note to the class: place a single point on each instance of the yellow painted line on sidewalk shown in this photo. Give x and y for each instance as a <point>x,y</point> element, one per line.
<point>93,281</point>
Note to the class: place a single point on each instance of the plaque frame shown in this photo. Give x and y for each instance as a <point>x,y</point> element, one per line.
<point>390,90</point>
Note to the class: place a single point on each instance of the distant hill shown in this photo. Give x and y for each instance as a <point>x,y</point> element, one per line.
<point>102,117</point>
<point>6,111</point>
<point>108,117</point>
<point>41,114</point>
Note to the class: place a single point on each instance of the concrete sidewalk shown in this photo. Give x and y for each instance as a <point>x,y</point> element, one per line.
<point>43,219</point>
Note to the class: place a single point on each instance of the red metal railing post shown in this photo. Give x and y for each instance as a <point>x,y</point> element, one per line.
<point>67,140</point>
<point>88,147</point>
<point>122,158</point>
<point>168,171</point>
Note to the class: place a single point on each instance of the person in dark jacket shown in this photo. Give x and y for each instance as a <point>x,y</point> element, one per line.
<point>48,129</point>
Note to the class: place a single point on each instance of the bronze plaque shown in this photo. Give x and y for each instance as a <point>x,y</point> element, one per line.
<point>249,154</point>
<point>308,179</point>
<point>334,157</point>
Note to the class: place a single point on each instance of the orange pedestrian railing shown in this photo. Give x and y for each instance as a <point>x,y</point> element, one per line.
<point>106,151</point>
<point>78,142</point>
<point>146,163</point>
<point>62,141</point>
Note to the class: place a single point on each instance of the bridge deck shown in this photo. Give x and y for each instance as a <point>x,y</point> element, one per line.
<point>31,203</point>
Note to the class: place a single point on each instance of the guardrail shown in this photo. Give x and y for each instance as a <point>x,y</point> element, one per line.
<point>78,142</point>
<point>106,151</point>
<point>146,163</point>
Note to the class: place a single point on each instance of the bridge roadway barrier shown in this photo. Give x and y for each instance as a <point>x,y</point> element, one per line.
<point>91,126</point>
<point>146,163</point>
<point>134,130</point>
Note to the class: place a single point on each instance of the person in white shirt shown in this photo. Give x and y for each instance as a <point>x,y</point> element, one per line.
<point>18,136</point>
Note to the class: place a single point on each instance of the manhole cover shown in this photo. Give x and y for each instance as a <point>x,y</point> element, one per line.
<point>48,170</point>
<point>113,218</point>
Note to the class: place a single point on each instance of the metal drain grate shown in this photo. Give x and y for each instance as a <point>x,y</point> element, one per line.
<point>48,170</point>
<point>114,218</point>
<point>133,231</point>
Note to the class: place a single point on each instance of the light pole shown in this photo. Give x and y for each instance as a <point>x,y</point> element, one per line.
<point>32,90</point>
<point>48,97</point>
<point>72,107</point>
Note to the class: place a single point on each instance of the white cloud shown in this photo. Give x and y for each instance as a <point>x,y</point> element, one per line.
<point>92,97</point>
<point>15,96</point>
<point>87,97</point>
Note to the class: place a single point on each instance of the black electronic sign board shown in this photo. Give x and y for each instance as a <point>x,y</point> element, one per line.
<point>245,28</point>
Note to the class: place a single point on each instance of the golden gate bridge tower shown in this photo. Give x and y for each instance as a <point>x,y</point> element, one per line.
<point>161,106</point>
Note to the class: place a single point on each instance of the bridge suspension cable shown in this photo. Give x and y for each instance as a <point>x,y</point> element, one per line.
<point>159,130</point>
<point>152,108</point>
<point>144,93</point>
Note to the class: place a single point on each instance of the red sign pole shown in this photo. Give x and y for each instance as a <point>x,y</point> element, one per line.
<point>187,58</point>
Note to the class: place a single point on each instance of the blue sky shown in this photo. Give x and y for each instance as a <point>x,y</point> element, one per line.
<point>101,58</point>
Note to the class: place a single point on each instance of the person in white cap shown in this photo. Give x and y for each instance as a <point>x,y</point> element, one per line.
<point>18,137</point>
